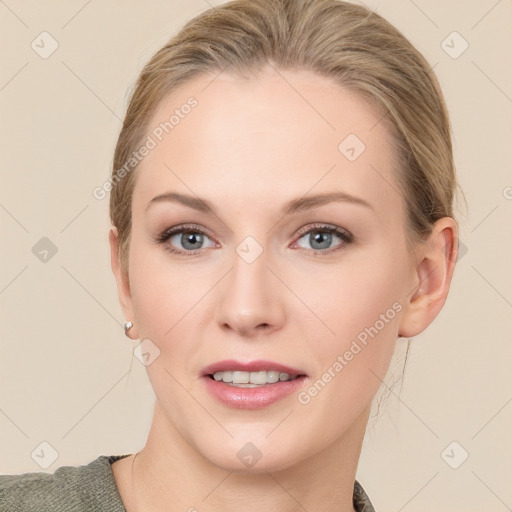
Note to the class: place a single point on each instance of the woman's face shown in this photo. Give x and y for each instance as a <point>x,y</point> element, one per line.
<point>263,274</point>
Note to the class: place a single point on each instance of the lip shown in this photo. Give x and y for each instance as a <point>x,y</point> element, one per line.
<point>250,366</point>
<point>251,398</point>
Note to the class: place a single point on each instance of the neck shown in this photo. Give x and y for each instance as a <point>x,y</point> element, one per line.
<point>169,475</point>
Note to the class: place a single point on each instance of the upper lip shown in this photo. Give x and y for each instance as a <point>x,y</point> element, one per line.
<point>250,366</point>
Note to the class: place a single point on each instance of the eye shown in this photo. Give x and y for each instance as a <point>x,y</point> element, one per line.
<point>321,237</point>
<point>183,239</point>
<point>189,239</point>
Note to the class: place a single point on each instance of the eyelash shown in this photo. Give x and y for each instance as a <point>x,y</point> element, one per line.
<point>343,234</point>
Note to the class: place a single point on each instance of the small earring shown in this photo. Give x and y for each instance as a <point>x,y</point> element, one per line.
<point>127,327</point>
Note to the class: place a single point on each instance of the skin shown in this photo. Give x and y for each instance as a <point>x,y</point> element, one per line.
<point>249,147</point>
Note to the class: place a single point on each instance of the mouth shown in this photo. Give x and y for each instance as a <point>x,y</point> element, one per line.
<point>252,385</point>
<point>251,374</point>
<point>244,379</point>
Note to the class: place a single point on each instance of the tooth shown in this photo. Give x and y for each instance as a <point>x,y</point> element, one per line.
<point>272,377</point>
<point>250,379</point>
<point>258,377</point>
<point>240,378</point>
<point>227,376</point>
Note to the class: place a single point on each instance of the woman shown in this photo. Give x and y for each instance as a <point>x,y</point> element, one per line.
<point>281,203</point>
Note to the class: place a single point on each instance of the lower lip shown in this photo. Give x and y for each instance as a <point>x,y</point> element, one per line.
<point>252,398</point>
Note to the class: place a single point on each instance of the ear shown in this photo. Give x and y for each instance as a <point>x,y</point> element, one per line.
<point>433,274</point>
<point>123,284</point>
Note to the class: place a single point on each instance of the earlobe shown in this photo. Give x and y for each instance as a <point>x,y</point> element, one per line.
<point>123,285</point>
<point>433,274</point>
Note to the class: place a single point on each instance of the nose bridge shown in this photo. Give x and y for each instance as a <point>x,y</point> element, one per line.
<point>249,281</point>
<point>249,297</point>
<point>250,266</point>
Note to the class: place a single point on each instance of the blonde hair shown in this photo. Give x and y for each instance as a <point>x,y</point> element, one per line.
<point>346,42</point>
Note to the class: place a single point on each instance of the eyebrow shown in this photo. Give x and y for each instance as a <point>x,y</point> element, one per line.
<point>294,206</point>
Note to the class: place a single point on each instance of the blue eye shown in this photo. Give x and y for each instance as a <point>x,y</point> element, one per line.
<point>188,240</point>
<point>320,237</point>
<point>189,237</point>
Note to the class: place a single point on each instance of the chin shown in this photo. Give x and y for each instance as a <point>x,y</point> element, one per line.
<point>251,454</point>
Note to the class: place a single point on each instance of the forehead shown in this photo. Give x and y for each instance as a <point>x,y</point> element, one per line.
<point>280,133</point>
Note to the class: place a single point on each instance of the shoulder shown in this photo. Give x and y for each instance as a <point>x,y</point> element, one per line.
<point>77,488</point>
<point>361,500</point>
<point>30,492</point>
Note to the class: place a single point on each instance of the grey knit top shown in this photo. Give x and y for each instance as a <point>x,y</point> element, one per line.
<point>85,488</point>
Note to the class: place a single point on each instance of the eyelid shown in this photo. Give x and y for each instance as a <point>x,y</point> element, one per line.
<point>319,226</point>
<point>195,228</point>
<point>346,236</point>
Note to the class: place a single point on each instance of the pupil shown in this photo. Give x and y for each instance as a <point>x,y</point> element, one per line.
<point>192,238</point>
<point>321,236</point>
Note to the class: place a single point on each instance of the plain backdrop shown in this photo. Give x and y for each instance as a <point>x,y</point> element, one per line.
<point>69,379</point>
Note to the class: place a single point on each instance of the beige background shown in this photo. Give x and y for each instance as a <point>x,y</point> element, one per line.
<point>68,377</point>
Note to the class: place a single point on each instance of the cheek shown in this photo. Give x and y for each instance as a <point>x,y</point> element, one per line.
<point>163,293</point>
<point>343,300</point>
<point>354,360</point>
<point>356,317</point>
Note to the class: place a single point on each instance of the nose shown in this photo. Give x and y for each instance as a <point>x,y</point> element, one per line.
<point>250,300</point>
